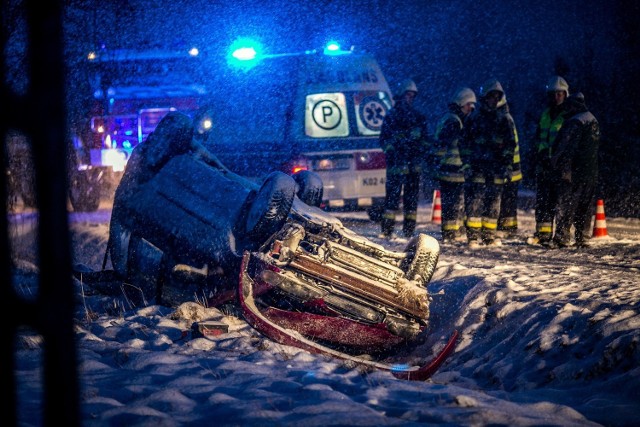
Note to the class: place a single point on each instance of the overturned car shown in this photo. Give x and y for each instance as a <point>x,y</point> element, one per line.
<point>185,227</point>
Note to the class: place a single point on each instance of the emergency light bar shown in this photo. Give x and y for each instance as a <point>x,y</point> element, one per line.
<point>245,53</point>
<point>134,55</point>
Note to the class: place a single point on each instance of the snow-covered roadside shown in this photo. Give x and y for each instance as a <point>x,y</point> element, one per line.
<point>547,338</point>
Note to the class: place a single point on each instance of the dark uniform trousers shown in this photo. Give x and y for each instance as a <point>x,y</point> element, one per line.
<point>452,198</point>
<point>575,206</point>
<point>546,196</point>
<point>483,208</point>
<point>508,220</point>
<point>409,181</point>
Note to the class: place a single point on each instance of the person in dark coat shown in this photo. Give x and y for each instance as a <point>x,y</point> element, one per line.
<point>403,138</point>
<point>574,159</point>
<point>488,143</point>
<point>549,125</point>
<point>450,171</point>
<point>508,218</point>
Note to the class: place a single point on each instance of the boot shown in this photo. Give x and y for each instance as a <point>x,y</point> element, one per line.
<point>387,226</point>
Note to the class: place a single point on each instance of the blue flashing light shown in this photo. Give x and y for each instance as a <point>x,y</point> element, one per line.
<point>194,51</point>
<point>333,49</point>
<point>244,53</point>
<point>333,46</point>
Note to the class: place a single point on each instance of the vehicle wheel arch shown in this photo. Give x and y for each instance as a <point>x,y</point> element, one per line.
<point>265,210</point>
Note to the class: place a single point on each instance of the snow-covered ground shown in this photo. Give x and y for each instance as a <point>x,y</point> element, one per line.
<point>547,337</point>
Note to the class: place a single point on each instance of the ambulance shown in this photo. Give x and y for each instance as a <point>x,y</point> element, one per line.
<point>320,111</point>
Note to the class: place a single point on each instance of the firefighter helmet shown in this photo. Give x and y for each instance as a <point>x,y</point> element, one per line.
<point>490,86</point>
<point>558,83</point>
<point>463,96</point>
<point>406,86</point>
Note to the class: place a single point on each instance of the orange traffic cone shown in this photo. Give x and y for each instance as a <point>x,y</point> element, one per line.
<point>600,225</point>
<point>436,208</point>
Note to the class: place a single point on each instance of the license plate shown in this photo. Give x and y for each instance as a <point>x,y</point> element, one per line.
<point>372,181</point>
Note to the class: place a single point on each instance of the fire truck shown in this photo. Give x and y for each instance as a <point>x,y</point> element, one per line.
<point>319,110</point>
<point>119,98</point>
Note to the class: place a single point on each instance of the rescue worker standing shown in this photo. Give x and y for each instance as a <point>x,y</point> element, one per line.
<point>508,218</point>
<point>450,172</point>
<point>488,146</point>
<point>550,123</point>
<point>403,140</point>
<point>575,159</point>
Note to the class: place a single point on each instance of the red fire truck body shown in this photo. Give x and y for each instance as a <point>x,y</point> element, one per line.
<point>129,93</point>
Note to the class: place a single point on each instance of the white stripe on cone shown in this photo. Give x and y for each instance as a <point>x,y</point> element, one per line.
<point>600,225</point>
<point>436,209</point>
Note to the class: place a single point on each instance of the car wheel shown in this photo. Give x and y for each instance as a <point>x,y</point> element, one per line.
<point>422,256</point>
<point>84,190</point>
<point>269,207</point>
<point>310,188</point>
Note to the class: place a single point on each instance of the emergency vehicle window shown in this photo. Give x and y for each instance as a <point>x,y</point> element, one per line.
<point>325,115</point>
<point>370,109</point>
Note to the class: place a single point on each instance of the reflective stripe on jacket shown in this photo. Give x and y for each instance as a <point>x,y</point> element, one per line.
<point>447,136</point>
<point>516,173</point>
<point>489,136</point>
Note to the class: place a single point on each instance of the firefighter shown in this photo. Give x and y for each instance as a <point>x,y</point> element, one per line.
<point>550,123</point>
<point>450,171</point>
<point>488,147</point>
<point>403,140</point>
<point>574,159</point>
<point>508,218</point>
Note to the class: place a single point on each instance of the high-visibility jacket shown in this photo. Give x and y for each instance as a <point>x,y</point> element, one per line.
<point>488,144</point>
<point>546,133</point>
<point>448,132</point>
<point>516,172</point>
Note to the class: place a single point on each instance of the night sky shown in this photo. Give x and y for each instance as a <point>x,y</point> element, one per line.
<point>440,44</point>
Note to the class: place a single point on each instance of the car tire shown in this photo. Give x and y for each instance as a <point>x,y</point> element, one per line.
<point>268,208</point>
<point>84,190</point>
<point>309,187</point>
<point>422,257</point>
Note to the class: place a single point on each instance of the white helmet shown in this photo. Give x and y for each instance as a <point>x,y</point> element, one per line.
<point>406,86</point>
<point>489,86</point>
<point>463,96</point>
<point>557,83</point>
